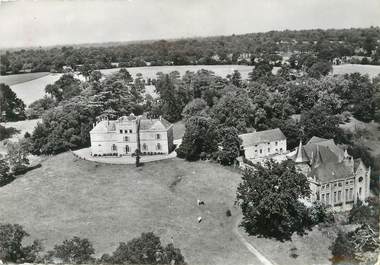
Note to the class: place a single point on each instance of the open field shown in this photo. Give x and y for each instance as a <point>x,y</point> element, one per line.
<point>34,89</point>
<point>113,203</point>
<point>11,80</point>
<point>371,70</point>
<point>22,127</point>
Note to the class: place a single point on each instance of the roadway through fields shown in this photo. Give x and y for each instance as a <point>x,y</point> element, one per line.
<point>263,260</point>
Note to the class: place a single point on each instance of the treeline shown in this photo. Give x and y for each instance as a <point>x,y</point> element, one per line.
<point>146,249</point>
<point>243,49</point>
<point>215,109</point>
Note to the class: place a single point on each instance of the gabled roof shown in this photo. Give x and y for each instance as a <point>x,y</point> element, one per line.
<point>327,172</point>
<point>104,126</point>
<point>154,124</point>
<point>250,139</point>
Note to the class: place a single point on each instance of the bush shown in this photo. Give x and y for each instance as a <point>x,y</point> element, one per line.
<point>74,251</point>
<point>6,133</point>
<point>11,249</point>
<point>228,213</point>
<point>146,249</point>
<point>342,250</point>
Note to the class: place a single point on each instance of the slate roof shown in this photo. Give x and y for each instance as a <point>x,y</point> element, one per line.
<point>104,126</point>
<point>328,172</point>
<point>325,159</point>
<point>250,139</point>
<point>146,124</point>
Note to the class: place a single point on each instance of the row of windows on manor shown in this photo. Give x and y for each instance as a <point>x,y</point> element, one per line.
<point>325,197</point>
<point>126,138</point>
<point>158,136</point>
<point>339,184</point>
<point>261,150</point>
<point>144,147</point>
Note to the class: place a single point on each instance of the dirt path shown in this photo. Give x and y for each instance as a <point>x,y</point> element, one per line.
<point>252,249</point>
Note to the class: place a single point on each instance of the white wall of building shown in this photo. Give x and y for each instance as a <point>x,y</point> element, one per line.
<point>265,149</point>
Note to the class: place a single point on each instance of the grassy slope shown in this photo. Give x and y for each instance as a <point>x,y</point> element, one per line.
<point>21,78</point>
<point>112,203</point>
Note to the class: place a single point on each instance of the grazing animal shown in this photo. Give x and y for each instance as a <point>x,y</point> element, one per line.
<point>200,202</point>
<point>199,219</point>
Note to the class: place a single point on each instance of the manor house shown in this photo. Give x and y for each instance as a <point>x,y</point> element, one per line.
<point>120,137</point>
<point>336,179</point>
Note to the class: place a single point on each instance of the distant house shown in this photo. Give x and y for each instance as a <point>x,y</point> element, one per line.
<point>120,137</point>
<point>263,144</point>
<point>336,179</point>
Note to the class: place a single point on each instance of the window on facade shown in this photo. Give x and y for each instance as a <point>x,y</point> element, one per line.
<point>276,143</point>
<point>327,197</point>
<point>346,182</point>
<point>323,197</point>
<point>126,138</point>
<point>339,196</point>
<point>158,146</point>
<point>360,191</point>
<point>261,151</point>
<point>130,131</point>
<point>114,147</point>
<point>145,147</point>
<point>256,151</point>
<point>340,184</point>
<point>281,149</point>
<point>121,131</point>
<point>268,150</point>
<point>346,195</point>
<point>158,136</point>
<point>126,148</point>
<point>360,179</point>
<point>334,196</point>
<point>327,185</point>
<point>351,192</point>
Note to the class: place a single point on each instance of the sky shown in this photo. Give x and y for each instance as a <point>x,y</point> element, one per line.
<point>56,22</point>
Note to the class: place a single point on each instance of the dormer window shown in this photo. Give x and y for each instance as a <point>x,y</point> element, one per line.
<point>130,131</point>
<point>158,136</point>
<point>121,131</point>
<point>125,131</point>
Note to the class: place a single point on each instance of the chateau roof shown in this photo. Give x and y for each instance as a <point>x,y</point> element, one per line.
<point>327,172</point>
<point>146,124</point>
<point>250,139</point>
<point>325,159</point>
<point>154,124</point>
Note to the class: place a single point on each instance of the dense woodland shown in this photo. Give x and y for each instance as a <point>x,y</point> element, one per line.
<point>242,49</point>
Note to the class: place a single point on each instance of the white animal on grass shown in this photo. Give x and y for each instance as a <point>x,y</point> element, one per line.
<point>199,202</point>
<point>199,219</point>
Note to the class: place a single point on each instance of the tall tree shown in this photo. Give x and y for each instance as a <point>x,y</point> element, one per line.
<point>11,107</point>
<point>200,136</point>
<point>269,198</point>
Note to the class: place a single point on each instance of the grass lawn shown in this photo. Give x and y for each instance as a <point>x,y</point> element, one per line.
<point>21,78</point>
<point>311,249</point>
<point>113,203</point>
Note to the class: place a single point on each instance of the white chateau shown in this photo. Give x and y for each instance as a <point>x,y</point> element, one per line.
<point>120,137</point>
<point>335,178</point>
